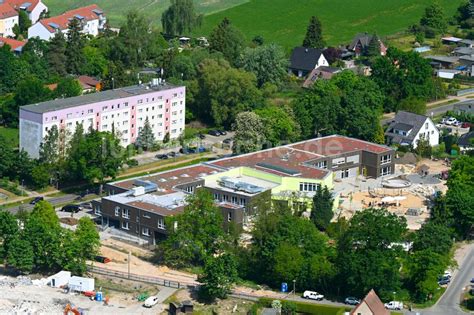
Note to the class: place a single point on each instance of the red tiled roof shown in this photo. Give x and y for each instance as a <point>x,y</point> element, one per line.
<point>63,20</point>
<point>13,43</point>
<point>87,81</point>
<point>282,158</point>
<point>334,145</point>
<point>7,11</point>
<point>374,304</point>
<point>19,3</point>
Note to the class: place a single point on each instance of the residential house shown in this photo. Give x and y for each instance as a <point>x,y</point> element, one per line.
<point>89,84</point>
<point>16,46</point>
<point>446,62</point>
<point>290,174</point>
<point>8,19</point>
<point>463,51</point>
<point>466,141</point>
<point>304,60</point>
<point>408,128</point>
<point>361,42</point>
<point>322,72</point>
<point>34,8</point>
<point>91,18</point>
<point>370,305</point>
<point>123,109</point>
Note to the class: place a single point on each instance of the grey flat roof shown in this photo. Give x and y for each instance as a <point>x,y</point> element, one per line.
<point>108,95</point>
<point>447,59</point>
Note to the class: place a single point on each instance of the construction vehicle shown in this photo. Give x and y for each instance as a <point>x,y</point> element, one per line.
<point>74,310</point>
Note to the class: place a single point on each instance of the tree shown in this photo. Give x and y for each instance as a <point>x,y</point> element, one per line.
<point>332,54</point>
<point>31,91</point>
<point>460,194</point>
<point>365,256</point>
<point>228,40</point>
<point>95,63</point>
<point>8,231</point>
<point>268,63</point>
<point>49,148</point>
<point>224,92</point>
<point>373,49</point>
<point>423,148</point>
<point>194,235</point>
<point>413,105</point>
<point>279,124</point>
<point>249,133</point>
<point>24,24</point>
<point>323,203</point>
<point>56,54</point>
<point>74,46</point>
<point>87,238</point>
<point>146,137</point>
<point>40,176</point>
<point>217,278</point>
<point>434,18</point>
<point>68,87</point>
<point>20,254</point>
<point>180,17</point>
<point>314,34</point>
<point>434,236</point>
<point>7,157</point>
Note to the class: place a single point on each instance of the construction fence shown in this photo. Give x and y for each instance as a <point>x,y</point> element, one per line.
<point>139,278</point>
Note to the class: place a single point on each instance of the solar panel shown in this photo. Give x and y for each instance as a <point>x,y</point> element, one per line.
<point>53,25</point>
<point>78,16</point>
<point>278,168</point>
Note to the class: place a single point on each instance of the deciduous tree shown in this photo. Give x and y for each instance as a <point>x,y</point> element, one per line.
<point>218,276</point>
<point>180,17</point>
<point>249,133</point>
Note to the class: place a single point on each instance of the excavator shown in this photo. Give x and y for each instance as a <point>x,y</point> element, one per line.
<point>72,309</point>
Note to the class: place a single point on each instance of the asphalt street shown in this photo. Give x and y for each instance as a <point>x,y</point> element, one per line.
<point>69,198</point>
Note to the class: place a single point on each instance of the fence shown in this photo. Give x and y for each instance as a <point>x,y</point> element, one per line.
<point>139,278</point>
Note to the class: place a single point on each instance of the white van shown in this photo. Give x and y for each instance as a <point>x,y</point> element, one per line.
<point>394,305</point>
<point>151,301</point>
<point>312,295</point>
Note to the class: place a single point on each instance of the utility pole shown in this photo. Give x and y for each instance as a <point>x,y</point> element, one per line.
<point>294,286</point>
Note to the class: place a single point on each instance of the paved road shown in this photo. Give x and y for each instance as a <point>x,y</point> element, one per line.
<point>54,201</point>
<point>449,302</point>
<point>434,111</point>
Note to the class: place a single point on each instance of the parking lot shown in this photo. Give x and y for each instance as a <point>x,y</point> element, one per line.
<point>453,126</point>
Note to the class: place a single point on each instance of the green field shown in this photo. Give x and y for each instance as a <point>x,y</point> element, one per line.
<point>285,21</point>
<point>10,135</point>
<point>117,9</point>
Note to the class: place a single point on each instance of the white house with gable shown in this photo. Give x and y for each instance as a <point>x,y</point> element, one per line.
<point>408,128</point>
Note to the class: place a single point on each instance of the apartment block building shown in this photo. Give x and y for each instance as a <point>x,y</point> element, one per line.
<point>91,18</point>
<point>241,184</point>
<point>124,110</point>
<point>8,19</point>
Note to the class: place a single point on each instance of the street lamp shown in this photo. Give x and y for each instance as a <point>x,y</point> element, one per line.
<point>294,287</point>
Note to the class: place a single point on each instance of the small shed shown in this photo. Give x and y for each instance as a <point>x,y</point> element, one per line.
<point>60,279</point>
<point>81,284</point>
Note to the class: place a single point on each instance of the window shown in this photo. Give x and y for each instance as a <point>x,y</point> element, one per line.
<point>69,115</point>
<point>234,200</point>
<point>97,210</point>
<point>125,225</point>
<point>125,213</point>
<point>126,104</point>
<point>104,108</point>
<point>386,171</point>
<point>384,159</point>
<point>225,198</point>
<point>146,231</point>
<point>309,186</point>
<point>117,211</point>
<point>243,201</point>
<point>140,101</point>
<point>338,161</point>
<point>161,223</point>
<point>426,125</point>
<point>344,173</point>
<point>145,215</point>
<point>229,216</point>
<point>322,164</point>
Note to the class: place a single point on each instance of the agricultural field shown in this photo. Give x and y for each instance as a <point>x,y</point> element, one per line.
<point>116,10</point>
<point>284,22</point>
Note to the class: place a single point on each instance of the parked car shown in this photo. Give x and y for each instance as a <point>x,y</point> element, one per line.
<point>222,132</point>
<point>214,133</point>
<point>227,141</point>
<point>447,274</point>
<point>457,124</point>
<point>36,200</point>
<point>450,121</point>
<point>86,205</point>
<point>71,208</point>
<point>162,156</point>
<point>312,295</point>
<point>472,280</point>
<point>172,154</point>
<point>444,281</point>
<point>151,301</point>
<point>466,125</point>
<point>351,301</point>
<point>394,305</point>
<point>444,120</point>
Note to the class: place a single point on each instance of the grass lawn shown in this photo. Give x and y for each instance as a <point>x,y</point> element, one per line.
<point>10,135</point>
<point>116,10</point>
<point>285,22</point>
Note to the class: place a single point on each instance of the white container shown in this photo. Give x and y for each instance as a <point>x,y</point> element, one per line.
<point>81,284</point>
<point>60,279</point>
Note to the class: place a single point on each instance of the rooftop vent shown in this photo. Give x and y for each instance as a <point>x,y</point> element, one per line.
<point>147,185</point>
<point>235,184</point>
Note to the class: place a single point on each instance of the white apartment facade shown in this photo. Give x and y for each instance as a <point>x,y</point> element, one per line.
<point>34,8</point>
<point>8,19</point>
<point>123,110</point>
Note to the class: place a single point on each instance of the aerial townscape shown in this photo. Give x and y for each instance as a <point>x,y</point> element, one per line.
<point>237,157</point>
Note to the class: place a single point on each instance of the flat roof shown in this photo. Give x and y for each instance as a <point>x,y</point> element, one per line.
<point>447,59</point>
<point>265,184</point>
<point>101,96</point>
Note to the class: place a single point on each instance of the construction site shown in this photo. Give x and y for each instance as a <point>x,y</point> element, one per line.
<point>409,192</point>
